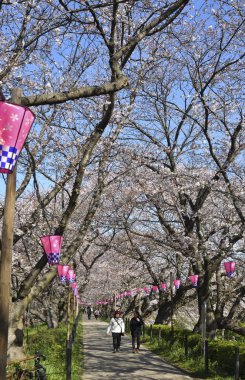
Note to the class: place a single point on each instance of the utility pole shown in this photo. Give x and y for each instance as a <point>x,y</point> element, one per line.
<point>6,256</point>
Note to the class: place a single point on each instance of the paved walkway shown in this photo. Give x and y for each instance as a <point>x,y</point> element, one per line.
<point>101,363</point>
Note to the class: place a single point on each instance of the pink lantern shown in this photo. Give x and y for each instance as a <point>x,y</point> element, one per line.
<point>163,287</point>
<point>15,124</point>
<point>52,247</point>
<point>230,268</point>
<point>146,290</point>
<point>177,283</point>
<point>194,279</point>
<point>62,272</point>
<point>154,288</point>
<point>73,285</point>
<point>71,276</point>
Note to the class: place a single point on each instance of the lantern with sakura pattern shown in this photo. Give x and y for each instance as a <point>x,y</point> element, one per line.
<point>15,124</point>
<point>163,287</point>
<point>73,285</point>
<point>154,288</point>
<point>177,283</point>
<point>230,268</point>
<point>62,272</point>
<point>71,276</point>
<point>52,247</point>
<point>194,279</point>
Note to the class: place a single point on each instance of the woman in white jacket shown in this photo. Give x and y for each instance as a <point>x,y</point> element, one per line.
<point>117,328</point>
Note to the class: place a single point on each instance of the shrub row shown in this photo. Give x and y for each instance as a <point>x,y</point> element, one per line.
<point>222,353</point>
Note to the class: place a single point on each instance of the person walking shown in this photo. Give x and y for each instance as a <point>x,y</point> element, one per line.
<point>96,314</point>
<point>117,328</point>
<point>89,312</point>
<point>135,327</point>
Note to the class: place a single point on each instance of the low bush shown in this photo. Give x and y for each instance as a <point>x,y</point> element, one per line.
<point>223,353</point>
<point>52,343</point>
<point>172,347</point>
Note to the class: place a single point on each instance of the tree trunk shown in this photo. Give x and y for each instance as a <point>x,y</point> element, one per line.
<point>164,313</point>
<point>167,306</point>
<point>131,305</point>
<point>231,325</point>
<point>203,298</point>
<point>16,340</point>
<point>61,311</point>
<point>49,319</point>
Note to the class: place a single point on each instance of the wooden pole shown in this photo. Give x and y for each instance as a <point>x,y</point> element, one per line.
<point>172,306</point>
<point>74,308</point>
<point>6,257</point>
<point>68,341</point>
<point>237,364</point>
<point>204,323</point>
<point>206,355</point>
<point>68,314</point>
<point>186,346</point>
<point>77,308</point>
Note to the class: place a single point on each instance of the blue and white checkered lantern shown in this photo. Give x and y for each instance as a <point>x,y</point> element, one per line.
<point>62,272</point>
<point>73,287</point>
<point>52,247</point>
<point>230,268</point>
<point>194,279</point>
<point>15,124</point>
<point>177,283</point>
<point>71,276</point>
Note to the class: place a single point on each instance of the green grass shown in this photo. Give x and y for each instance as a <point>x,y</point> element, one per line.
<point>222,353</point>
<point>78,363</point>
<point>173,354</point>
<point>52,344</point>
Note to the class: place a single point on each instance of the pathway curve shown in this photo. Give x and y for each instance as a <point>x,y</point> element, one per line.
<point>101,363</point>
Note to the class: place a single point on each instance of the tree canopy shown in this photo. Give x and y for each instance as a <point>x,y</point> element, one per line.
<point>137,153</point>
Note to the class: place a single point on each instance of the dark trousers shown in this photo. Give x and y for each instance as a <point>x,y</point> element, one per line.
<point>116,339</point>
<point>136,338</point>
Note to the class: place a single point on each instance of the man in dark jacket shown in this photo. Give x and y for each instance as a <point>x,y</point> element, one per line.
<point>135,327</point>
<point>89,312</point>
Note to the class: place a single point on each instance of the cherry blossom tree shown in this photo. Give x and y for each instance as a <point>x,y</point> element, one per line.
<point>65,51</point>
<point>159,186</point>
<point>190,138</point>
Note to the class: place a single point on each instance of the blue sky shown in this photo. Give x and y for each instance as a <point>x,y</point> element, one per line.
<point>3,178</point>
